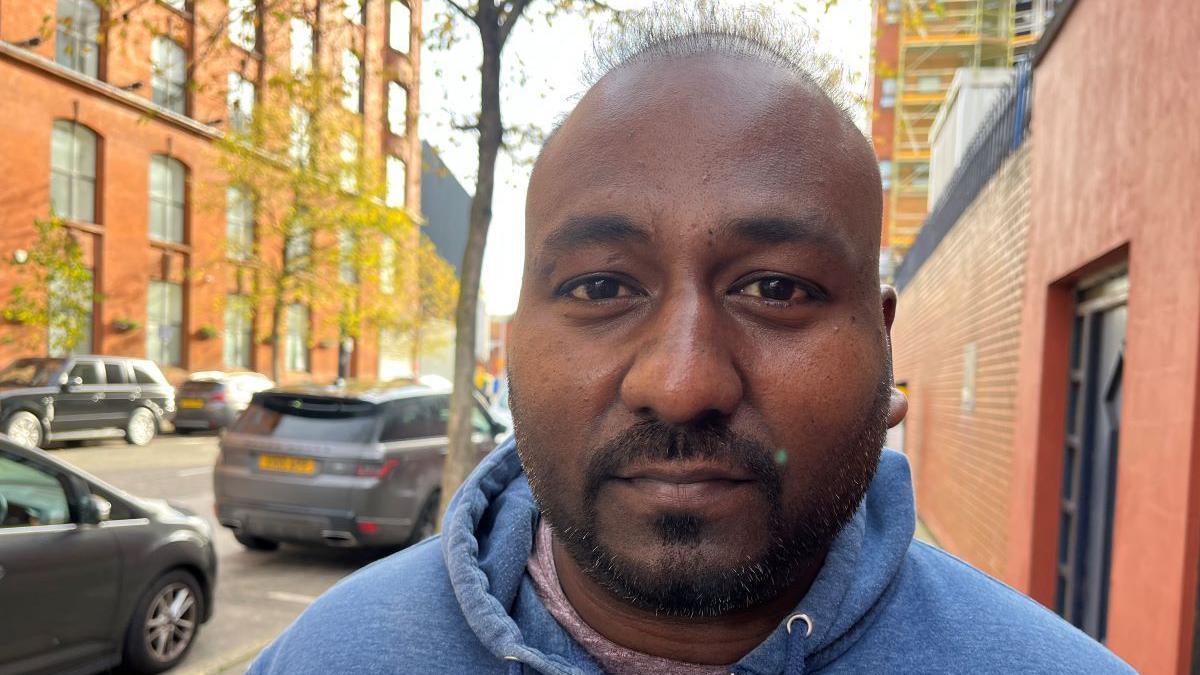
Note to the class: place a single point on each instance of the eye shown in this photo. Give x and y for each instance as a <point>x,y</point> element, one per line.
<point>597,288</point>
<point>776,289</point>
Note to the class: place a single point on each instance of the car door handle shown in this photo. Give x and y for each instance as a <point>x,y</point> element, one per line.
<point>97,397</point>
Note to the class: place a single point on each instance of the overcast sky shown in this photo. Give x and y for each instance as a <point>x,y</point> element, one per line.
<point>541,83</point>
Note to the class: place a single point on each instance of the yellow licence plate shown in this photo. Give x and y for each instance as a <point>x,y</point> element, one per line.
<point>287,464</point>
<point>191,403</point>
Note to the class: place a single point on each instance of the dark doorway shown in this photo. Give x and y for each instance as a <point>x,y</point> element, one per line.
<point>1090,454</point>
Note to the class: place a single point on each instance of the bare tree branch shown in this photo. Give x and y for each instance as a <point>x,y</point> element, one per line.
<point>510,19</point>
<point>463,10</point>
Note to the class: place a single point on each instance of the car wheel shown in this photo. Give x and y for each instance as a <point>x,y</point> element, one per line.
<point>426,525</point>
<point>183,431</point>
<point>142,427</point>
<point>164,623</point>
<point>256,543</point>
<point>24,428</point>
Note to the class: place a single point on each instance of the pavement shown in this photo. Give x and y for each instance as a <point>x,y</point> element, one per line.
<point>258,594</point>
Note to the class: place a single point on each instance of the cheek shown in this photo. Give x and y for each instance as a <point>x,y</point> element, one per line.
<point>814,397</point>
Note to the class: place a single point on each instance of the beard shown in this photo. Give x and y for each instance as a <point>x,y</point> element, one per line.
<point>682,581</point>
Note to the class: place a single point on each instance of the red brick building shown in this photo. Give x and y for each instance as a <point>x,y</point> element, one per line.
<point>1049,334</point>
<point>110,111</point>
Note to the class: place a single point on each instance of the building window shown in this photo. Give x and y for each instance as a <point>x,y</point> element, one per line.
<point>399,25</point>
<point>887,95</point>
<point>166,199</point>
<point>168,82</point>
<point>929,84</point>
<point>353,11</point>
<point>238,331</point>
<point>397,108</point>
<point>387,266</point>
<point>298,246</point>
<point>885,173</point>
<point>351,81</point>
<point>299,147</point>
<point>70,302</point>
<point>242,19</point>
<point>73,172</point>
<point>240,98</point>
<point>346,267</point>
<point>397,177</point>
<point>164,323</point>
<point>239,223</point>
<point>893,11</point>
<point>302,46</point>
<point>76,37</point>
<point>296,341</point>
<point>349,158</point>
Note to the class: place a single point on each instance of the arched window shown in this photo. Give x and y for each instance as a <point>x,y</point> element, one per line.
<point>166,199</point>
<point>73,171</point>
<point>76,37</point>
<point>168,84</point>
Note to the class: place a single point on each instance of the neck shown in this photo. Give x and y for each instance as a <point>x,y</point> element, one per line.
<point>718,640</point>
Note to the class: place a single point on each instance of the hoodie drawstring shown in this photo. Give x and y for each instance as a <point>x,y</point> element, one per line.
<point>799,628</point>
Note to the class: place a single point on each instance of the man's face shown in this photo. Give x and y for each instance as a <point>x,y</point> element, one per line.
<point>699,359</point>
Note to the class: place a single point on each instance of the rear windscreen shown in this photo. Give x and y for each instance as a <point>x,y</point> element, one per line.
<point>199,387</point>
<point>309,419</point>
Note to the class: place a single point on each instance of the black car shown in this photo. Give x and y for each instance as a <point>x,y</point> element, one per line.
<point>83,397</point>
<point>90,576</point>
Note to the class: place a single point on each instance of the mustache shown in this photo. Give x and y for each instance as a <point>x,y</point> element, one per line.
<point>653,441</point>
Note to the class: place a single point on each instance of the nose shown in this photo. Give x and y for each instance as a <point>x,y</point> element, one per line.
<point>684,369</point>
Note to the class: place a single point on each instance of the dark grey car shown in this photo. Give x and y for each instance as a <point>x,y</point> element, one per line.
<point>338,466</point>
<point>83,397</point>
<point>91,576</point>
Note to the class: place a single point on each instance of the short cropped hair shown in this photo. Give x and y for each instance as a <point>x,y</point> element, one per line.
<point>676,30</point>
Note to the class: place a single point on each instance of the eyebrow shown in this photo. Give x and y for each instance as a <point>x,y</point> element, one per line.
<point>581,231</point>
<point>770,231</point>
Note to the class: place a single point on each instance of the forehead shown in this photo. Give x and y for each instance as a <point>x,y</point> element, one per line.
<point>694,141</point>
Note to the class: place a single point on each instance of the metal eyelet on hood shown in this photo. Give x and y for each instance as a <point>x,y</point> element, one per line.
<point>808,624</point>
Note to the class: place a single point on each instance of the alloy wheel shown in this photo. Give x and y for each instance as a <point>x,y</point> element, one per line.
<point>141,427</point>
<point>24,429</point>
<point>171,622</point>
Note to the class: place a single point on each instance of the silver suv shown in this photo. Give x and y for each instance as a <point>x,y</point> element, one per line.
<point>339,466</point>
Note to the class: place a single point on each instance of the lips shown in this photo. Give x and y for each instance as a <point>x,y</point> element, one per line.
<point>682,473</point>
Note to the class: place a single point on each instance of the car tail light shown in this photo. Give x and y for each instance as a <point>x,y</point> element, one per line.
<point>376,469</point>
<point>217,396</point>
<point>368,527</point>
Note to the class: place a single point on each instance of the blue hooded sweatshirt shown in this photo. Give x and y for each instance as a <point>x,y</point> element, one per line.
<point>883,603</point>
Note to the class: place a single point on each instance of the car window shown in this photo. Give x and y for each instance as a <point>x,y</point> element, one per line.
<point>30,496</point>
<point>142,375</point>
<point>115,373</point>
<point>88,371</point>
<point>410,418</point>
<point>286,417</point>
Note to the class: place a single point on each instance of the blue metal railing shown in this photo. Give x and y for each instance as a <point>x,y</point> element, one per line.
<point>1001,134</point>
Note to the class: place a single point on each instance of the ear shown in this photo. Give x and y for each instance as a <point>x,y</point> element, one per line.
<point>898,402</point>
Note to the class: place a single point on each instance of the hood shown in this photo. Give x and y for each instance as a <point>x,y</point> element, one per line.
<point>488,534</point>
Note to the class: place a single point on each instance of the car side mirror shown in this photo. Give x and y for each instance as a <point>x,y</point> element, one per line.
<point>94,509</point>
<point>71,382</point>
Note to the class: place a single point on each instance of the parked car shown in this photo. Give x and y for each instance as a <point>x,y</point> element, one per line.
<point>92,577</point>
<point>354,466</point>
<point>83,397</point>
<point>214,399</point>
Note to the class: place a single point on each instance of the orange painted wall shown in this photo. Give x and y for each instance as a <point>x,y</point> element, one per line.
<point>1117,153</point>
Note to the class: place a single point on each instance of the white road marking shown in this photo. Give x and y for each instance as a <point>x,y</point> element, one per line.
<point>195,471</point>
<point>291,597</point>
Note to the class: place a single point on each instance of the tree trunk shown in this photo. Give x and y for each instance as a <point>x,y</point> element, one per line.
<point>462,455</point>
<point>276,319</point>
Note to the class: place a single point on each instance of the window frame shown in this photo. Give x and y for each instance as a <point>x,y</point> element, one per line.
<point>70,32</point>
<point>352,95</point>
<point>165,91</point>
<point>296,351</point>
<point>397,117</point>
<point>240,306</point>
<point>159,350</point>
<point>242,28</point>
<point>240,98</point>
<point>170,202</point>
<point>392,23</point>
<point>239,229</point>
<point>72,174</point>
<point>403,194</point>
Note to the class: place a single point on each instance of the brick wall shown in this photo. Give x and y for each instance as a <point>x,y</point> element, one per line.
<point>967,293</point>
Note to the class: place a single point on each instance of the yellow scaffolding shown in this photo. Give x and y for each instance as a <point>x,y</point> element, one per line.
<point>936,38</point>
